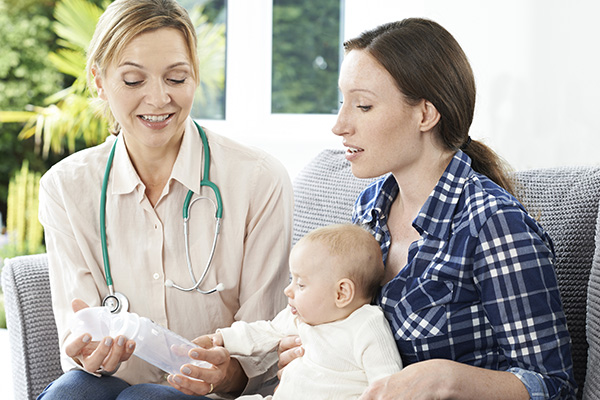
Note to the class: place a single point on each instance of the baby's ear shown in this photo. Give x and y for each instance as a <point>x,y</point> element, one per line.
<point>345,292</point>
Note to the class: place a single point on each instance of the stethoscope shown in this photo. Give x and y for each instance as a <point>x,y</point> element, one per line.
<point>117,301</point>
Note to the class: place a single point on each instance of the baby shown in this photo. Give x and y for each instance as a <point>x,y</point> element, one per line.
<point>336,271</point>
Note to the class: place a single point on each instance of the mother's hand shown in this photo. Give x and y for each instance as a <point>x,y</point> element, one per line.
<point>445,379</point>
<point>225,375</point>
<point>290,348</point>
<point>93,356</point>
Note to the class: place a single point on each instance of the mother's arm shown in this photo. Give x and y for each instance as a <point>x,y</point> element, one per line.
<point>445,379</point>
<point>514,273</point>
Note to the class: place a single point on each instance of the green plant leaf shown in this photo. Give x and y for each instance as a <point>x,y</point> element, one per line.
<point>16,116</point>
<point>75,22</point>
<point>67,61</point>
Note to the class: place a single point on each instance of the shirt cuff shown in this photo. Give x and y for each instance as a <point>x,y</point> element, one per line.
<point>533,381</point>
<point>263,383</point>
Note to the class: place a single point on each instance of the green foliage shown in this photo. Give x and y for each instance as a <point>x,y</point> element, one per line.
<point>209,97</point>
<point>67,115</point>
<point>25,233</point>
<point>2,313</point>
<point>305,56</point>
<point>26,77</point>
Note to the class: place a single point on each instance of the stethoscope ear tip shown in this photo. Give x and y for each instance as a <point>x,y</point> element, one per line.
<point>169,283</point>
<point>220,287</point>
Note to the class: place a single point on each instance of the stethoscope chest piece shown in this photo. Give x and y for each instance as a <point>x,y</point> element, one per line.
<point>116,302</point>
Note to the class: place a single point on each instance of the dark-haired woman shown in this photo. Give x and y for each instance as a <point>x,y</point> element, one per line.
<point>470,289</point>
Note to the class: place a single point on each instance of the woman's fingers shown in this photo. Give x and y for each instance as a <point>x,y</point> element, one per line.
<point>119,352</point>
<point>190,386</point>
<point>78,304</point>
<point>76,346</point>
<point>95,360</point>
<point>289,349</point>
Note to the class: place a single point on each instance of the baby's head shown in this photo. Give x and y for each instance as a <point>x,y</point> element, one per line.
<point>335,270</point>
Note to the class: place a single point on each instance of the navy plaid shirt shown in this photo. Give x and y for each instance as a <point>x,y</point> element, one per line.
<point>479,286</point>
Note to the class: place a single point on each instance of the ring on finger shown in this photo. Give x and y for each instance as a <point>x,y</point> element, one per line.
<point>211,389</point>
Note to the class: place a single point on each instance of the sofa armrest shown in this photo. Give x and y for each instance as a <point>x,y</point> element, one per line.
<point>35,354</point>
<point>592,381</point>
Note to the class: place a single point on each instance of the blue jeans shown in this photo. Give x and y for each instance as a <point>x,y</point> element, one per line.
<point>78,385</point>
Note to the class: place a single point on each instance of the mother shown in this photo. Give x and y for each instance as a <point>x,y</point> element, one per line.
<point>470,289</point>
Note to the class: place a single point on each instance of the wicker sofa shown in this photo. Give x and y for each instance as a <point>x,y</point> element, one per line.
<point>565,200</point>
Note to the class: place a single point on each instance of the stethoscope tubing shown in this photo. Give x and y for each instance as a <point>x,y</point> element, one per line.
<point>117,300</point>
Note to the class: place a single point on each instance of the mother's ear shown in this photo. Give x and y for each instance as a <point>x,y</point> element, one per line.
<point>346,290</point>
<point>430,116</point>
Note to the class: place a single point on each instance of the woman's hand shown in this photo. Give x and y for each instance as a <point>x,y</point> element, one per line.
<point>289,349</point>
<point>225,375</point>
<point>445,379</point>
<point>93,356</point>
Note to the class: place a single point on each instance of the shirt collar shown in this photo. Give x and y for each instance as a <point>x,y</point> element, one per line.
<point>438,212</point>
<point>436,215</point>
<point>384,191</point>
<point>187,168</point>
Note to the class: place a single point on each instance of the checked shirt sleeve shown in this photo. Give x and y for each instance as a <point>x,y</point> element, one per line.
<point>513,269</point>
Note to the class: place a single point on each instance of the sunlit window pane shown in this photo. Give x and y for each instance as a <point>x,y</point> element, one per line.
<point>210,18</point>
<point>306,43</point>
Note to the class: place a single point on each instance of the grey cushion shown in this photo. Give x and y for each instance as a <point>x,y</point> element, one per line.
<point>324,192</point>
<point>565,200</point>
<point>592,382</point>
<point>32,331</point>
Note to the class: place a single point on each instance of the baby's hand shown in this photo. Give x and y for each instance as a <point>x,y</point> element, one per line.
<point>216,339</point>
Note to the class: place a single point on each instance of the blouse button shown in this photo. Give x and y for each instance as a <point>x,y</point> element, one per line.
<point>156,275</point>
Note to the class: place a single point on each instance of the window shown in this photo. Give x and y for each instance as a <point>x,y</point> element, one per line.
<point>210,19</point>
<point>305,56</point>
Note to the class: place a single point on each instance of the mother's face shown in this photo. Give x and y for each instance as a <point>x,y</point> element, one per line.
<point>379,128</point>
<point>150,88</point>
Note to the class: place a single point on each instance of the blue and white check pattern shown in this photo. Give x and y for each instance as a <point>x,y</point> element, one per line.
<point>479,286</point>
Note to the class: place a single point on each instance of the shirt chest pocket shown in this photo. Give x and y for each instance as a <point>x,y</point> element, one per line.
<point>424,308</point>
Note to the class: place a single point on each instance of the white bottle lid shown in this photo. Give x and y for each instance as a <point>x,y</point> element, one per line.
<point>126,324</point>
<point>92,320</point>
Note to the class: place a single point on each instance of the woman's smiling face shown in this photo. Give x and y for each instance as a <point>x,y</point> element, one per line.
<point>150,88</point>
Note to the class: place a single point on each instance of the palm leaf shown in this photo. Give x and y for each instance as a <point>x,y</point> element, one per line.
<point>75,22</point>
<point>68,61</point>
<point>16,116</point>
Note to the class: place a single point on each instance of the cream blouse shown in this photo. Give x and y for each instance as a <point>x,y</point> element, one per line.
<point>146,244</point>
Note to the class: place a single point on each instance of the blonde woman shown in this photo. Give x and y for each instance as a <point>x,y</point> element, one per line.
<point>143,64</point>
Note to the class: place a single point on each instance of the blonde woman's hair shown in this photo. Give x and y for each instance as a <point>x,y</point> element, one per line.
<point>124,20</point>
<point>358,252</point>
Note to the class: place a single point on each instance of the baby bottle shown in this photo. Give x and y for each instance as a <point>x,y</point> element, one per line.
<point>157,345</point>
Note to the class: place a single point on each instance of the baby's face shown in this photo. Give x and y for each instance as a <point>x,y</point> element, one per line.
<point>312,291</point>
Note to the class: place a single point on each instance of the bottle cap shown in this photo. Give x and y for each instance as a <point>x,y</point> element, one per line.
<point>92,320</point>
<point>126,324</point>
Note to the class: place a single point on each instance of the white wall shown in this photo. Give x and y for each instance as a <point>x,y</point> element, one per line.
<point>536,64</point>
